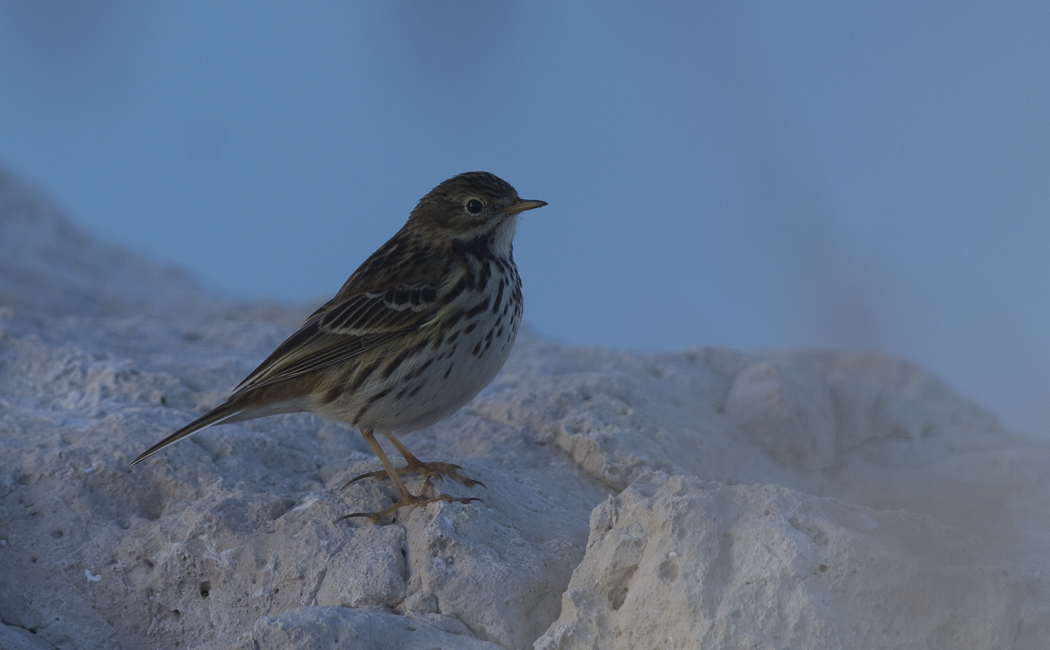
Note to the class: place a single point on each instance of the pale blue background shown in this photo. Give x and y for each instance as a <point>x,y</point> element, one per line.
<point>745,174</point>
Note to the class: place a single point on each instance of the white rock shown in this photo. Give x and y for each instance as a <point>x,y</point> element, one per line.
<point>674,562</point>
<point>16,638</point>
<point>309,628</point>
<point>369,570</point>
<point>932,522</point>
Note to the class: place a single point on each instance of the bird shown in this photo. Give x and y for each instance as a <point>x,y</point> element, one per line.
<point>417,331</point>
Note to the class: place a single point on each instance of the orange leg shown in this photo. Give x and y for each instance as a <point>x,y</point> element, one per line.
<point>429,470</point>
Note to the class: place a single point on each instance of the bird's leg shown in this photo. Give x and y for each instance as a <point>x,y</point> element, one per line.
<point>388,467</point>
<point>431,470</point>
<point>407,498</point>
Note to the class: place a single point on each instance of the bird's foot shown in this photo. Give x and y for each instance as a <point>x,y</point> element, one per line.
<point>409,500</point>
<point>430,471</point>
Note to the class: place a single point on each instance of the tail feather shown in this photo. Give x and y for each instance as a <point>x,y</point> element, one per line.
<point>240,407</point>
<point>218,414</point>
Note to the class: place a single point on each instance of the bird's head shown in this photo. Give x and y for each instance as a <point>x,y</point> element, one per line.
<point>472,206</point>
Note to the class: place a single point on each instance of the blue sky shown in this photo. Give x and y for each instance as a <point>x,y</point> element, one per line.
<point>751,175</point>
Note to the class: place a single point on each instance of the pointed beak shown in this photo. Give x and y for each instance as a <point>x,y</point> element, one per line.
<point>524,205</point>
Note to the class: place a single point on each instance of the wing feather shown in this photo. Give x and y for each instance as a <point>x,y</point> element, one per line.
<point>389,296</point>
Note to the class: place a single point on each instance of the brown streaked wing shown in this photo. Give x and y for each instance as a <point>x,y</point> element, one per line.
<point>395,309</point>
<point>307,350</point>
<point>385,298</point>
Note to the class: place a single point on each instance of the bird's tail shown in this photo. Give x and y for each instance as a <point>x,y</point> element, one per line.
<point>225,412</point>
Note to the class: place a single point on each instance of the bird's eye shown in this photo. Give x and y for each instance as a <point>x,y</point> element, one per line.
<point>474,206</point>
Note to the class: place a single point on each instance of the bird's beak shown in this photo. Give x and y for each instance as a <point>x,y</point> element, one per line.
<point>524,205</point>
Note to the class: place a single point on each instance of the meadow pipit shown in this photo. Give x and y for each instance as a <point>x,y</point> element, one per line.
<point>415,333</point>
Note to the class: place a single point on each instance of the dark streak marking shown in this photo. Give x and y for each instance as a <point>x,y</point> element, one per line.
<point>419,371</point>
<point>399,359</point>
<point>499,297</point>
<point>478,309</point>
<point>457,288</point>
<point>359,380</point>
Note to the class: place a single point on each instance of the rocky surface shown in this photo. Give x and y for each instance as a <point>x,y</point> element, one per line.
<point>709,497</point>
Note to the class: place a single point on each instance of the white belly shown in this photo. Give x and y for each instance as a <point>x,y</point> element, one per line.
<point>471,354</point>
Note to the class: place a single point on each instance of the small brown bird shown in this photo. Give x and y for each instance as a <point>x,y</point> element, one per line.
<point>415,333</point>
